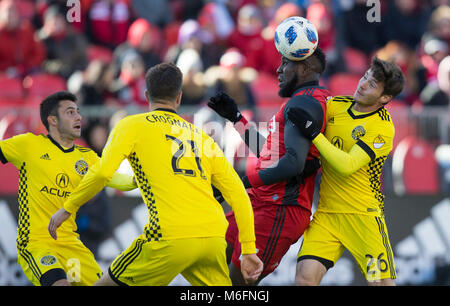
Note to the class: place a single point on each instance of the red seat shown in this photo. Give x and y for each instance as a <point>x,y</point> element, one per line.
<point>95,52</point>
<point>11,90</point>
<point>343,83</point>
<point>9,180</point>
<point>265,89</point>
<point>356,61</point>
<point>39,86</point>
<point>414,166</point>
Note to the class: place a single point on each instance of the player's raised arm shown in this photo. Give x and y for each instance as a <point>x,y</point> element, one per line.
<point>226,107</point>
<point>345,163</point>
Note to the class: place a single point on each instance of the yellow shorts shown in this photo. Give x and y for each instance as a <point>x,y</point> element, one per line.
<point>366,238</point>
<point>201,261</point>
<point>77,261</point>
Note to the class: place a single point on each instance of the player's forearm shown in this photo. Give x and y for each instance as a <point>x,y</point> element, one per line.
<point>233,191</point>
<point>252,138</point>
<point>123,182</point>
<point>94,181</point>
<point>343,162</point>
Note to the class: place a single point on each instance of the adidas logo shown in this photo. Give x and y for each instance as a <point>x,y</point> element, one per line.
<point>45,156</point>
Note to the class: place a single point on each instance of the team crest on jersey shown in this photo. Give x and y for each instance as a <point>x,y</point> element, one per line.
<point>378,142</point>
<point>48,260</point>
<point>358,132</point>
<point>81,167</point>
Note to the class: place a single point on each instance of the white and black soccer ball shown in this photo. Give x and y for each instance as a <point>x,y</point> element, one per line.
<point>296,38</point>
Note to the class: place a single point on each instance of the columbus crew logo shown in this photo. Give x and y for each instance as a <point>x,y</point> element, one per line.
<point>358,132</point>
<point>81,167</point>
<point>48,260</point>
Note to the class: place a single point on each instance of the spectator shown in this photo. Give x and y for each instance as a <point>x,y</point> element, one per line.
<point>20,51</point>
<point>108,22</point>
<point>247,37</point>
<point>439,25</point>
<point>409,63</point>
<point>143,38</point>
<point>97,84</point>
<point>65,47</point>
<point>406,21</point>
<point>192,36</point>
<point>434,52</point>
<point>193,86</point>
<point>233,80</point>
<point>131,83</point>
<point>444,76</point>
<point>357,32</point>
<point>156,12</point>
<point>322,17</point>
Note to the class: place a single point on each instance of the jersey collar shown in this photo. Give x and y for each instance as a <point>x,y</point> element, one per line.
<point>165,110</point>
<point>308,84</point>
<point>350,112</point>
<point>59,146</point>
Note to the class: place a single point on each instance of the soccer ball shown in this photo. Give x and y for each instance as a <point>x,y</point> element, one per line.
<point>296,38</point>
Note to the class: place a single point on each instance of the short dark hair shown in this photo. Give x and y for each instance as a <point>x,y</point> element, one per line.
<point>389,74</point>
<point>319,60</point>
<point>50,105</point>
<point>164,81</point>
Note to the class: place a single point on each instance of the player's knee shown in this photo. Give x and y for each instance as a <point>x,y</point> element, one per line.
<point>302,279</point>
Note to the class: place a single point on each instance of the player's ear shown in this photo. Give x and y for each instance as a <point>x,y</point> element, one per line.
<point>52,120</point>
<point>147,96</point>
<point>178,101</point>
<point>385,99</point>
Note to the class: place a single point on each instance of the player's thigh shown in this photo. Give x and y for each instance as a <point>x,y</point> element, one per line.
<point>79,263</point>
<point>40,262</point>
<point>277,227</point>
<point>154,263</point>
<point>367,240</point>
<point>209,266</point>
<point>321,241</point>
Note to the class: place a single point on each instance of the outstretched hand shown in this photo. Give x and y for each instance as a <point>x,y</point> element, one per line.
<point>56,220</point>
<point>305,123</point>
<point>251,268</point>
<point>225,106</point>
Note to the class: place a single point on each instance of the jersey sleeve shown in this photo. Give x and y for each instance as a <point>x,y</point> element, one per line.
<point>343,162</point>
<point>376,141</point>
<point>225,178</point>
<point>13,149</point>
<point>118,147</point>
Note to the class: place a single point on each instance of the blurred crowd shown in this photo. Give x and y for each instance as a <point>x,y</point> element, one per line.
<point>101,49</point>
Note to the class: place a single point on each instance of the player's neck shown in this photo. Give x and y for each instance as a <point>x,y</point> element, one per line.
<point>61,140</point>
<point>365,108</point>
<point>155,106</point>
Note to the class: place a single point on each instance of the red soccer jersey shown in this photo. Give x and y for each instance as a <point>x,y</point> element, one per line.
<point>288,192</point>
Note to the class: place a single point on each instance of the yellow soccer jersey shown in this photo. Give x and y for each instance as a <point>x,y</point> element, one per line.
<point>374,133</point>
<point>48,173</point>
<point>175,164</point>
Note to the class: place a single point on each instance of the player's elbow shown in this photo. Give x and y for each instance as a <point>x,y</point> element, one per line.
<point>103,175</point>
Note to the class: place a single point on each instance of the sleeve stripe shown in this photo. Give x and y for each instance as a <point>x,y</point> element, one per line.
<point>2,157</point>
<point>366,149</point>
